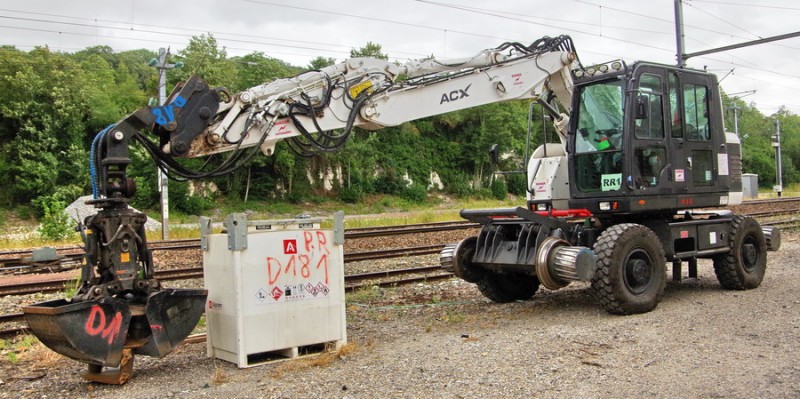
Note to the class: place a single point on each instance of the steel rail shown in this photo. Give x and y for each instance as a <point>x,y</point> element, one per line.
<point>197,272</point>
<point>17,264</point>
<point>353,282</point>
<point>358,232</point>
<point>392,253</point>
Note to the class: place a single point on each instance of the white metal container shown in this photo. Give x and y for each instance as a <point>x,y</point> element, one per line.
<point>275,288</point>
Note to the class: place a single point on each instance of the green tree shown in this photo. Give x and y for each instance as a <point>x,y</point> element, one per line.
<point>203,57</point>
<point>371,49</point>
<point>100,89</point>
<point>321,62</point>
<point>255,69</point>
<point>136,62</point>
<point>42,127</point>
<point>755,132</point>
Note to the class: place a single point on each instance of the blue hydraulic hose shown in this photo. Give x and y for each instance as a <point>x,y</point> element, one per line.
<point>98,139</point>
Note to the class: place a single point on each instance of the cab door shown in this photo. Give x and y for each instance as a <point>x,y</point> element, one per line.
<point>651,163</point>
<point>691,140</point>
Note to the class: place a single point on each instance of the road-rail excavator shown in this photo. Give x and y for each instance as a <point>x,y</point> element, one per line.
<point>641,148</point>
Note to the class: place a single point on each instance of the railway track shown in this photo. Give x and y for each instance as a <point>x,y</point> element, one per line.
<point>353,282</point>
<point>61,284</point>
<point>12,262</point>
<point>364,232</point>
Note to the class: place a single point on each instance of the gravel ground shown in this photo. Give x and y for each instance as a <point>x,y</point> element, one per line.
<point>446,341</point>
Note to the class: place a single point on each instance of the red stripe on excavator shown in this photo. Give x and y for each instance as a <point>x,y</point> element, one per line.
<point>565,213</point>
<point>575,213</point>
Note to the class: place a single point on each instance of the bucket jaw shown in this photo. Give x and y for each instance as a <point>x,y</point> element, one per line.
<point>107,333</point>
<point>120,309</point>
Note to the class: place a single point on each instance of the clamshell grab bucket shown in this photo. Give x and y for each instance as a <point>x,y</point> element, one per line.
<point>171,315</point>
<point>89,332</point>
<point>96,332</point>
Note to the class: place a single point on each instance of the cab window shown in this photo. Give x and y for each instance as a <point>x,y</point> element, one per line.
<point>651,125</point>
<point>696,112</point>
<point>598,139</point>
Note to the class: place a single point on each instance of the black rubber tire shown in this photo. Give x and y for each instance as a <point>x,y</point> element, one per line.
<point>508,287</point>
<point>744,266</point>
<point>631,269</point>
<point>462,264</point>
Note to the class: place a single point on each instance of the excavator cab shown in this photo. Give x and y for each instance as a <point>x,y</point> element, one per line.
<point>613,202</point>
<point>649,138</point>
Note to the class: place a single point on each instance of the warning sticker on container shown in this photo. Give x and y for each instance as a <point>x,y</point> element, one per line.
<point>262,295</point>
<point>292,292</point>
<point>289,246</point>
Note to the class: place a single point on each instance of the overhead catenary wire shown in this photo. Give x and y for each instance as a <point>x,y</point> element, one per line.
<point>750,5</point>
<point>605,7</point>
<point>722,20</point>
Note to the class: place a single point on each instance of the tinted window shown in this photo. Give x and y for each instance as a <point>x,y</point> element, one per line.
<point>650,97</point>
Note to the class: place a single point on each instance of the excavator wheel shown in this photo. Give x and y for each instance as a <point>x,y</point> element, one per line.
<point>462,261</point>
<point>743,267</point>
<point>508,287</point>
<point>631,271</point>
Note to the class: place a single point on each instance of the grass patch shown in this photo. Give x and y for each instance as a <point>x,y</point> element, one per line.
<point>32,240</point>
<point>371,212</point>
<point>364,295</point>
<point>176,233</point>
<point>219,376</point>
<point>71,288</point>
<point>324,359</point>
<point>766,191</point>
<point>453,317</point>
<point>29,351</point>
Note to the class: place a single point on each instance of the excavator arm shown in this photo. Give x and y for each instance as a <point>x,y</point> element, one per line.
<point>316,110</point>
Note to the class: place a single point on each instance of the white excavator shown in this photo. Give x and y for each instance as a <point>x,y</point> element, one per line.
<point>641,147</point>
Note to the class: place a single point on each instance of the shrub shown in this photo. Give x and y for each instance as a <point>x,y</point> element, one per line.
<point>499,189</point>
<point>23,212</point>
<point>516,183</point>
<point>181,201</point>
<point>415,193</point>
<point>482,193</point>
<point>351,195</point>
<point>389,184</point>
<point>56,225</point>
<point>459,187</point>
<point>294,197</point>
<point>194,205</point>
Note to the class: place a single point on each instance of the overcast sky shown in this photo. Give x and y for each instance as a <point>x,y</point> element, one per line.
<point>297,31</point>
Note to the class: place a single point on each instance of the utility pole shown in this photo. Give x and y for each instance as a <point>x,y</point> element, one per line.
<point>162,65</point>
<point>776,143</point>
<point>679,33</point>
<point>736,108</point>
